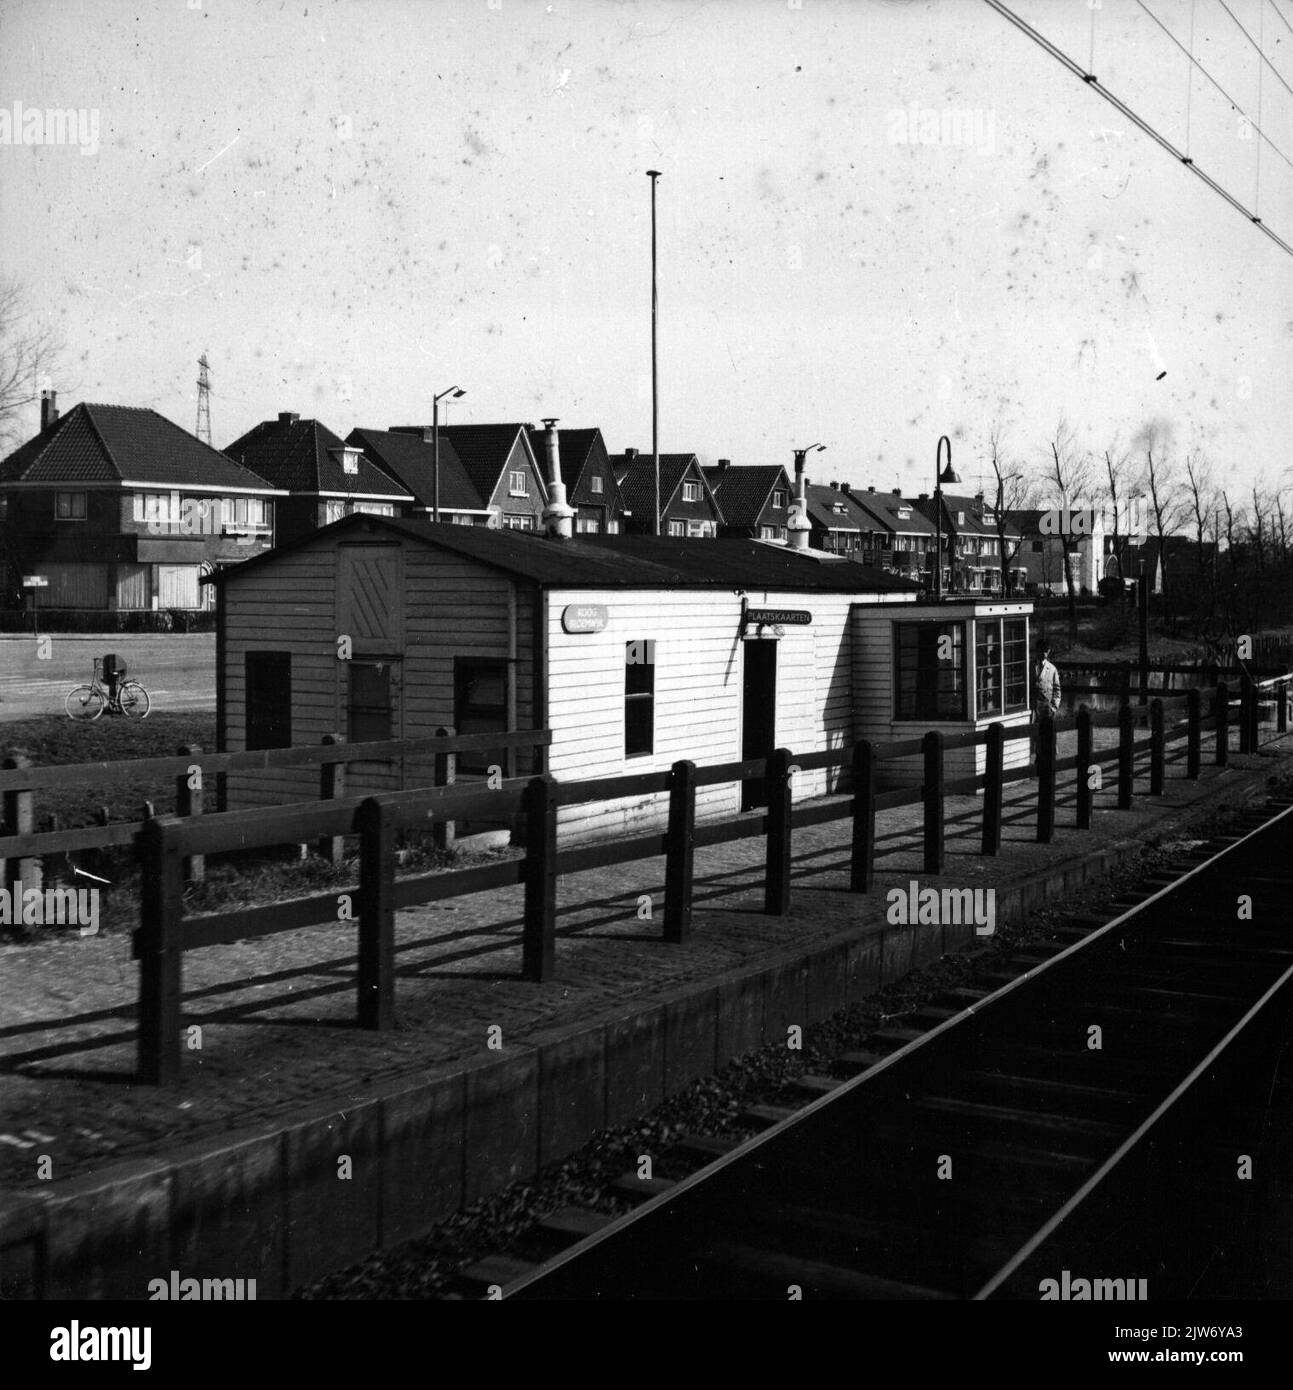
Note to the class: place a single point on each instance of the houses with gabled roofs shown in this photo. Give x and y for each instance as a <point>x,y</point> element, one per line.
<point>904,538</point>
<point>755,499</point>
<point>120,510</point>
<point>488,473</point>
<point>591,488</point>
<point>688,507</point>
<point>324,478</point>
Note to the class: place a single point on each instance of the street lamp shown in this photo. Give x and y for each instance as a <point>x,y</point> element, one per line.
<point>798,533</point>
<point>948,475</point>
<point>453,392</point>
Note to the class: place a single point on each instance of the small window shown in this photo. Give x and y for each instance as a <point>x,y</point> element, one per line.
<point>369,707</point>
<point>517,484</point>
<point>779,497</point>
<point>69,506</point>
<point>480,707</point>
<point>677,528</point>
<point>698,528</point>
<point>514,522</point>
<point>639,698</point>
<point>597,484</point>
<point>691,492</point>
<point>268,699</point>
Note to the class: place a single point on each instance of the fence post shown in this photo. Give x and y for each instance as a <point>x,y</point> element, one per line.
<point>1156,748</point>
<point>776,881</point>
<point>862,860</point>
<point>19,819</point>
<point>161,953</point>
<point>189,802</point>
<point>680,846</point>
<point>1126,758</point>
<point>376,915</point>
<point>932,791</point>
<point>332,785</point>
<point>539,940</point>
<point>1223,723</point>
<point>1246,705</point>
<point>1193,733</point>
<point>446,772</point>
<point>1046,782</point>
<point>1084,796</point>
<point>993,781</point>
<point>1124,683</point>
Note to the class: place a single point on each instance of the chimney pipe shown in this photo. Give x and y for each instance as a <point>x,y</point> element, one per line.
<point>630,454</point>
<point>288,417</point>
<point>48,408</point>
<point>798,526</point>
<point>846,489</point>
<point>724,465</point>
<point>558,516</point>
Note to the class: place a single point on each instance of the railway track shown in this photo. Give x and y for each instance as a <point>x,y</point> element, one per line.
<point>1118,1112</point>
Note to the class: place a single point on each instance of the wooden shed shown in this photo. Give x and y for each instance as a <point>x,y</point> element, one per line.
<point>634,651</point>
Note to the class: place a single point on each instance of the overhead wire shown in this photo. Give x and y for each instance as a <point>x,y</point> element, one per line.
<point>1141,124</point>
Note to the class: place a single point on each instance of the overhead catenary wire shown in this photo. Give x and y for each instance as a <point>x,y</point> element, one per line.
<point>1256,124</point>
<point>1141,124</point>
<point>1257,46</point>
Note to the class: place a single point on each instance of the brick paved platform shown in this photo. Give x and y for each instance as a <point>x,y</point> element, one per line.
<point>225,1174</point>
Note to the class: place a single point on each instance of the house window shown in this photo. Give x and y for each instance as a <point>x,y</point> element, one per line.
<point>518,523</point>
<point>350,460</point>
<point>639,698</point>
<point>268,699</point>
<point>516,483</point>
<point>778,497</point>
<point>929,671</point>
<point>369,708</point>
<point>691,492</point>
<point>597,484</point>
<point>588,525</point>
<point>336,509</point>
<point>480,707</point>
<point>698,528</point>
<point>677,528</point>
<point>1001,665</point>
<point>69,506</point>
<point>768,533</point>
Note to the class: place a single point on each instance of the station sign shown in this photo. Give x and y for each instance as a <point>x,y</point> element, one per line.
<point>781,617</point>
<point>583,617</point>
<point>35,581</point>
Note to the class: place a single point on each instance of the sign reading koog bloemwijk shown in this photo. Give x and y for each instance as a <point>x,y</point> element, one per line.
<point>782,617</point>
<point>583,617</point>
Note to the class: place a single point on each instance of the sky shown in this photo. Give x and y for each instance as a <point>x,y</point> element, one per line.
<point>879,221</point>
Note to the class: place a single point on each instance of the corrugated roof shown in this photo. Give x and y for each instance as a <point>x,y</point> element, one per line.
<point>411,461</point>
<point>123,443</point>
<point>617,562</point>
<point>743,491</point>
<point>304,456</point>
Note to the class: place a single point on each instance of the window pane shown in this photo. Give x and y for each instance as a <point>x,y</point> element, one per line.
<point>987,666</point>
<point>639,698</point>
<point>1015,653</point>
<point>269,699</point>
<point>929,671</point>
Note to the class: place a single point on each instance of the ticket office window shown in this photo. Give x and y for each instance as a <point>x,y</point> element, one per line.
<point>929,671</point>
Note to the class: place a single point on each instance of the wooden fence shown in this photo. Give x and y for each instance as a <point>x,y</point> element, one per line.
<point>167,842</point>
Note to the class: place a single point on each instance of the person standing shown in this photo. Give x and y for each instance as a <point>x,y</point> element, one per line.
<point>1048,687</point>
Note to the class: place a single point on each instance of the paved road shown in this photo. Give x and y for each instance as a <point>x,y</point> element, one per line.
<point>178,670</point>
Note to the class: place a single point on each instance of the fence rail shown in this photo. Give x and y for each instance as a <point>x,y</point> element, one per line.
<point>165,931</point>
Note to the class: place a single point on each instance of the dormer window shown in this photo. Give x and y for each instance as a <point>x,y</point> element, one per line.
<point>960,518</point>
<point>349,458</point>
<point>904,513</point>
<point>597,483</point>
<point>778,497</point>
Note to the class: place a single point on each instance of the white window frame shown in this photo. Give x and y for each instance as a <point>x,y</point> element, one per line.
<point>517,483</point>
<point>597,485</point>
<point>691,492</point>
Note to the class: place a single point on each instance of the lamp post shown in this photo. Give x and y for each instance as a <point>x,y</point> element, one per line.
<point>948,475</point>
<point>454,392</point>
<point>654,174</point>
<point>797,534</point>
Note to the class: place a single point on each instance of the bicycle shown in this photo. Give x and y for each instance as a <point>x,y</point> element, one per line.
<point>118,697</point>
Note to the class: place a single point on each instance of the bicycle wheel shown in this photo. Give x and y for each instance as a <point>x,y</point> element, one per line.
<point>85,702</point>
<point>134,700</point>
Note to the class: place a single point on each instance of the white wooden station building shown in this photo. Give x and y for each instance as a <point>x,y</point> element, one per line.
<point>634,651</point>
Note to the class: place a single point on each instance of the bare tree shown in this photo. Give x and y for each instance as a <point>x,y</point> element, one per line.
<point>1014,492</point>
<point>1166,504</point>
<point>1201,502</point>
<point>1069,474</point>
<point>1117,462</point>
<point>29,349</point>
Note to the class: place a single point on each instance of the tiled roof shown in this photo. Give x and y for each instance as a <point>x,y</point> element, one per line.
<point>743,492</point>
<point>822,504</point>
<point>411,462</point>
<point>617,562</point>
<point>636,479</point>
<point>884,506</point>
<point>484,451</point>
<point>304,456</point>
<point>122,443</point>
